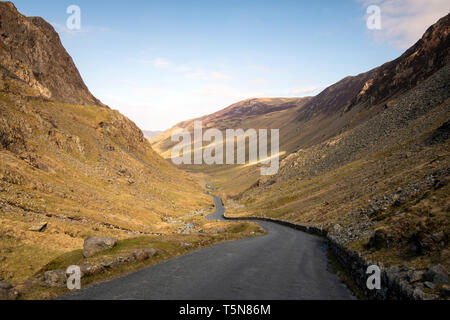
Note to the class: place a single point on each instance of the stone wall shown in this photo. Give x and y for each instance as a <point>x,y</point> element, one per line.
<point>397,283</point>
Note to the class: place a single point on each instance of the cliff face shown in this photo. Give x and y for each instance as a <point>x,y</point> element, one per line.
<point>31,54</point>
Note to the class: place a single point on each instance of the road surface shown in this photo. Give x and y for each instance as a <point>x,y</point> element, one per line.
<point>284,264</point>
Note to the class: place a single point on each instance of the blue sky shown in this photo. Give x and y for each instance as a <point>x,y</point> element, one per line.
<point>162,62</point>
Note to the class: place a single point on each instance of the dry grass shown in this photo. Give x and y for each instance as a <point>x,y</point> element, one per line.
<point>86,171</point>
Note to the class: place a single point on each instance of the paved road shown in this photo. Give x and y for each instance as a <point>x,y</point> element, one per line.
<point>284,264</point>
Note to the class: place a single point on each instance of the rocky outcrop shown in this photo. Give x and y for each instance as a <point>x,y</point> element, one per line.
<point>94,245</point>
<point>39,227</point>
<point>58,278</point>
<point>7,291</point>
<point>55,279</point>
<point>428,55</point>
<point>145,254</point>
<point>31,53</point>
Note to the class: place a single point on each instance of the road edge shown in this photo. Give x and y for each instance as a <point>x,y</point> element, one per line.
<point>394,287</point>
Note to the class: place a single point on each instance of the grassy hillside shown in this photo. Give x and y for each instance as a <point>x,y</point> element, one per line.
<point>86,170</point>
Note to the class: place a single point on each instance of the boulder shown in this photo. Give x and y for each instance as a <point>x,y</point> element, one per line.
<point>337,228</point>
<point>145,254</point>
<point>7,291</point>
<point>436,274</point>
<point>429,285</point>
<point>438,236</point>
<point>185,245</point>
<point>420,295</point>
<point>95,269</point>
<point>110,264</point>
<point>94,245</point>
<point>415,275</point>
<point>380,239</point>
<point>55,279</point>
<point>445,291</point>
<point>39,227</point>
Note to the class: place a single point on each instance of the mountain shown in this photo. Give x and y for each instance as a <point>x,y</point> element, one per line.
<point>68,160</point>
<point>256,113</point>
<point>32,55</point>
<point>252,113</point>
<point>351,101</point>
<point>372,167</point>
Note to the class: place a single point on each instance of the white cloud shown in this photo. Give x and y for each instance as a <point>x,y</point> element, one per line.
<point>305,91</point>
<point>224,92</point>
<point>150,92</point>
<point>403,22</point>
<point>220,76</point>
<point>161,63</point>
<point>196,75</point>
<point>207,76</point>
<point>183,69</point>
<point>63,30</point>
<point>259,69</point>
<point>159,108</point>
<point>260,81</point>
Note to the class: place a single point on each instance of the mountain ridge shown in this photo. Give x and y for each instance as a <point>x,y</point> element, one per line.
<point>32,53</point>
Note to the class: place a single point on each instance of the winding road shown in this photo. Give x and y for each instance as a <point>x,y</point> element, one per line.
<point>285,264</point>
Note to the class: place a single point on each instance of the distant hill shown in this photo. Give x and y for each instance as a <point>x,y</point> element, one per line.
<point>251,113</point>
<point>256,113</point>
<point>151,134</point>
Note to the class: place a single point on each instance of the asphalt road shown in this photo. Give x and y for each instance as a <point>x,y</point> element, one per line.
<point>284,264</point>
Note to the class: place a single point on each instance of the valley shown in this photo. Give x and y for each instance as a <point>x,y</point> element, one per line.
<point>362,178</point>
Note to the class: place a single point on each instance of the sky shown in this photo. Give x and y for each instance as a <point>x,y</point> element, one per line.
<point>163,62</point>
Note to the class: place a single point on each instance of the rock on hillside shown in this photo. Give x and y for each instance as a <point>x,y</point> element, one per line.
<point>31,53</point>
<point>94,245</point>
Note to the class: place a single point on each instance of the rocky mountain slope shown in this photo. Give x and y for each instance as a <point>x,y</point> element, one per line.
<point>32,54</point>
<point>69,162</point>
<point>373,164</point>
